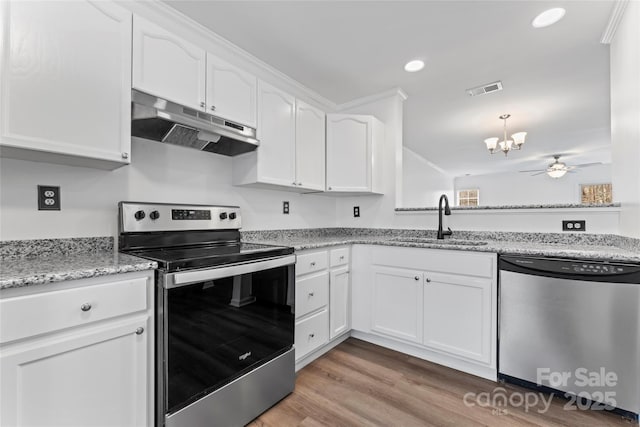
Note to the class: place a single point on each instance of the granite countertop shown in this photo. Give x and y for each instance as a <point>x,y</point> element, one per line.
<point>512,207</point>
<point>57,260</point>
<point>586,246</point>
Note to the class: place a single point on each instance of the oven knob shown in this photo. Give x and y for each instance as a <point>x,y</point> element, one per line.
<point>232,215</point>
<point>139,215</point>
<point>223,215</point>
<point>154,215</point>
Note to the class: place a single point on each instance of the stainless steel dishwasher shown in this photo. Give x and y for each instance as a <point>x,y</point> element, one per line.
<point>572,326</point>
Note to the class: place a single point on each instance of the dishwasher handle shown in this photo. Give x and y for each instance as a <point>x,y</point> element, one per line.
<point>575,269</point>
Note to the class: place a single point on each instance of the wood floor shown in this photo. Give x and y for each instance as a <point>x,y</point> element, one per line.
<point>361,384</point>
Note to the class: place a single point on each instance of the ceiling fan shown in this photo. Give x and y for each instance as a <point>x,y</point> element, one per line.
<point>558,169</point>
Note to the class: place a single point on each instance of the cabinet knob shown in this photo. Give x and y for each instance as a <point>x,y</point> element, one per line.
<point>213,108</point>
<point>299,183</point>
<point>341,256</point>
<point>125,155</point>
<point>294,183</point>
<point>311,294</point>
<point>330,188</point>
<point>202,104</point>
<point>313,264</point>
<point>416,278</point>
<point>428,280</point>
<point>311,335</point>
<point>140,330</point>
<point>85,307</point>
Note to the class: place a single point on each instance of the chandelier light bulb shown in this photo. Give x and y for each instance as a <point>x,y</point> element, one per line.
<point>506,144</point>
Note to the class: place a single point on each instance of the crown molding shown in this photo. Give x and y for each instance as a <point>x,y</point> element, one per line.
<point>169,13</point>
<point>372,98</point>
<point>614,20</point>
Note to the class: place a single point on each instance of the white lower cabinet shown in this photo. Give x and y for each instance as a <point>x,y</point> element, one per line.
<point>397,303</point>
<point>323,302</point>
<point>94,369</point>
<point>435,304</point>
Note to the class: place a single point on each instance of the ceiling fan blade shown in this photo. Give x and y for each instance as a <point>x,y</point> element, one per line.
<point>534,170</point>
<point>539,173</point>
<point>586,165</point>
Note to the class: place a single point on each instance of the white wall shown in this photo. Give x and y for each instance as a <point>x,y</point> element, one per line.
<point>513,188</point>
<point>422,183</point>
<point>625,118</point>
<point>158,173</point>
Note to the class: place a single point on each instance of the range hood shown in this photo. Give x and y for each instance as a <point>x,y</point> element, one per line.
<point>164,121</point>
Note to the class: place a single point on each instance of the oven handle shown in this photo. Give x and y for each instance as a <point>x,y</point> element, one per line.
<point>175,280</point>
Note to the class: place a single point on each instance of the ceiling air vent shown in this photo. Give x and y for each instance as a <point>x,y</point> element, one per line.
<point>484,89</point>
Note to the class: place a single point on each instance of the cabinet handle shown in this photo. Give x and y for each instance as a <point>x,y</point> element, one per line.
<point>125,155</point>
<point>341,256</point>
<point>330,188</point>
<point>416,278</point>
<point>140,330</point>
<point>299,183</point>
<point>313,264</point>
<point>427,280</point>
<point>85,307</point>
<point>311,335</point>
<point>202,104</point>
<point>294,183</point>
<point>213,108</point>
<point>311,294</point>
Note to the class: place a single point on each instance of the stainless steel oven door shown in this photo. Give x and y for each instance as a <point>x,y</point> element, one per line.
<point>217,325</point>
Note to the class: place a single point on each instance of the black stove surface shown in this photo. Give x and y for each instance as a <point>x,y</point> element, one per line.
<point>214,255</point>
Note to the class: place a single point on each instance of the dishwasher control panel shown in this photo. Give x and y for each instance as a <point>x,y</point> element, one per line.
<point>572,268</point>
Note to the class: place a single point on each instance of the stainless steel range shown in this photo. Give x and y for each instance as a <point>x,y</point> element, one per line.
<point>224,313</point>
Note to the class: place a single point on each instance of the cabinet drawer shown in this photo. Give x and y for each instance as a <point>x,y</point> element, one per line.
<point>339,257</point>
<point>311,333</point>
<point>29,315</point>
<point>312,292</point>
<point>310,262</point>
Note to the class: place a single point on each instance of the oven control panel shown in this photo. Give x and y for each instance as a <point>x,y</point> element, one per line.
<point>191,214</point>
<point>145,217</point>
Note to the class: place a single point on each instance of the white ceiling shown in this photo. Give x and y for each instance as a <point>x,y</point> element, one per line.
<point>556,79</point>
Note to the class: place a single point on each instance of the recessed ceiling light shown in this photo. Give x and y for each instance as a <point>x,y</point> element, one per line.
<point>413,66</point>
<point>548,17</point>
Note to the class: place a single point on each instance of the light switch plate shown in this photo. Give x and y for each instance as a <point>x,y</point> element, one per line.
<point>48,198</point>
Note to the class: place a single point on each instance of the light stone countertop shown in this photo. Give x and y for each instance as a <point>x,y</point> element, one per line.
<point>585,246</point>
<point>56,260</point>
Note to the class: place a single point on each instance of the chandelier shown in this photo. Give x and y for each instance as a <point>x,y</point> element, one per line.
<point>506,145</point>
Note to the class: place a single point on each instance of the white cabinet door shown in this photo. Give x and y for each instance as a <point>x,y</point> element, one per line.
<point>457,315</point>
<point>277,134</point>
<point>339,302</point>
<point>310,147</point>
<point>66,82</point>
<point>167,66</point>
<point>349,152</point>
<point>396,308</point>
<point>231,92</point>
<point>98,377</point>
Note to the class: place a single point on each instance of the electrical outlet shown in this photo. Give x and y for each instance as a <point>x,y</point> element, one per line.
<point>356,211</point>
<point>48,198</point>
<point>574,225</point>
<point>285,208</point>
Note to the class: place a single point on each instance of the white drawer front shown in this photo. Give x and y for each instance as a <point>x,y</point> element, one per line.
<point>339,257</point>
<point>310,262</point>
<point>311,333</point>
<point>29,315</point>
<point>312,292</point>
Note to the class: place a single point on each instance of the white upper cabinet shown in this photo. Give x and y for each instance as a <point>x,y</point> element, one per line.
<point>167,66</point>
<point>66,82</point>
<point>310,147</point>
<point>291,154</point>
<point>277,135</point>
<point>353,153</point>
<point>231,92</point>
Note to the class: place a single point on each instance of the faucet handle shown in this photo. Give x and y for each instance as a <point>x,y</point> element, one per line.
<point>448,232</point>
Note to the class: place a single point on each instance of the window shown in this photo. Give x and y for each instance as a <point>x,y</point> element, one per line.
<point>595,193</point>
<point>469,197</point>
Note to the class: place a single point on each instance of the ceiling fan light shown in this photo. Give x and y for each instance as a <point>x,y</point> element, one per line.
<point>492,143</point>
<point>518,138</point>
<point>556,172</point>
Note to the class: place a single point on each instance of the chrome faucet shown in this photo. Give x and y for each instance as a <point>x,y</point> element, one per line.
<point>447,211</point>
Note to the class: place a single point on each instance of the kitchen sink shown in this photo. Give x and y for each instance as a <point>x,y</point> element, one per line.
<point>452,242</point>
